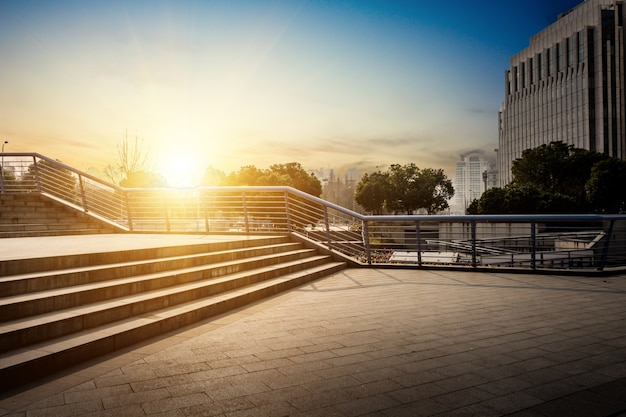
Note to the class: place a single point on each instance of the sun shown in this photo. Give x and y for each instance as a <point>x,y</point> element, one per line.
<point>181,170</point>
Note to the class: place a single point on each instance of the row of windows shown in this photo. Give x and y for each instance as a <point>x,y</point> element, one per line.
<point>550,62</point>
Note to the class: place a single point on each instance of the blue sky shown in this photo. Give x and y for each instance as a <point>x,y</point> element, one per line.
<point>232,83</point>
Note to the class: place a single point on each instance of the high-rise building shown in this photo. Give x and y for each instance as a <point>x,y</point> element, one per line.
<point>473,175</point>
<point>568,86</point>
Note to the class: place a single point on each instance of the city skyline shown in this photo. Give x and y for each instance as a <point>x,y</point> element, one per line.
<point>326,84</point>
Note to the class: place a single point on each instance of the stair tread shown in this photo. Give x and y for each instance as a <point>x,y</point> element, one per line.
<point>64,343</point>
<point>135,279</point>
<point>73,312</point>
<point>115,265</point>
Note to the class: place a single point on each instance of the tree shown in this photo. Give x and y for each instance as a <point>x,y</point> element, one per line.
<point>605,188</point>
<point>556,168</point>
<point>295,176</point>
<point>9,181</point>
<point>555,178</point>
<point>53,179</point>
<point>405,188</point>
<point>132,157</point>
<point>434,190</point>
<point>213,176</point>
<point>372,191</point>
<point>143,179</point>
<point>291,174</point>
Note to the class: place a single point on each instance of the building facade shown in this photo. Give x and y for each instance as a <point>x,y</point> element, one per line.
<point>568,86</point>
<point>473,175</point>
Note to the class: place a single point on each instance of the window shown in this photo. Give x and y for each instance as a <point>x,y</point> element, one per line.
<point>570,51</point>
<point>550,61</point>
<point>581,47</point>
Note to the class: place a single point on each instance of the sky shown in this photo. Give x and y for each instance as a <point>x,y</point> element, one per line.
<point>230,83</point>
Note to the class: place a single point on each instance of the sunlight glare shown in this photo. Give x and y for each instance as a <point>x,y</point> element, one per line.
<point>181,170</point>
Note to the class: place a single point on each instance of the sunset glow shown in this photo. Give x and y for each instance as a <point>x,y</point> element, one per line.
<point>227,84</point>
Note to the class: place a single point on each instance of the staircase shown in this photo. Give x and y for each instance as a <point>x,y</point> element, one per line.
<point>59,311</point>
<point>32,214</point>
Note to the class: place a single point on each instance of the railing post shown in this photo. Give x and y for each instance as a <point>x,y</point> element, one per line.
<point>366,241</point>
<point>473,239</point>
<point>287,213</point>
<point>166,211</point>
<point>533,245</point>
<point>205,209</point>
<point>605,249</point>
<point>129,217</point>
<point>419,242</point>
<point>82,193</point>
<point>327,226</point>
<point>245,211</point>
<point>37,179</point>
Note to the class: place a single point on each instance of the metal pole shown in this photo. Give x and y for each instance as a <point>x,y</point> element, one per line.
<point>473,238</point>
<point>366,241</point>
<point>2,168</point>
<point>533,245</point>
<point>419,243</point>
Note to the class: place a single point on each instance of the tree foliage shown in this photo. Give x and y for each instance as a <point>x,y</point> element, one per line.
<point>132,162</point>
<point>143,179</point>
<point>372,191</point>
<point>405,188</point>
<point>291,174</point>
<point>558,178</point>
<point>53,179</point>
<point>605,188</point>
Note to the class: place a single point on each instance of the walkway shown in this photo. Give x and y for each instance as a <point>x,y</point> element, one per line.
<point>372,342</point>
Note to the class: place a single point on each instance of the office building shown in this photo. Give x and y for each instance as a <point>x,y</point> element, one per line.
<point>568,86</point>
<point>473,175</point>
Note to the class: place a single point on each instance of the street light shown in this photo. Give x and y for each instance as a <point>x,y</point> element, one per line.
<point>5,142</point>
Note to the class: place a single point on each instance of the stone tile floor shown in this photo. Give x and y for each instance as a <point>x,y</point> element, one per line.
<point>372,342</point>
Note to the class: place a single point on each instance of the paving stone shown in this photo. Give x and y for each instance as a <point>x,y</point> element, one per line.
<point>374,343</point>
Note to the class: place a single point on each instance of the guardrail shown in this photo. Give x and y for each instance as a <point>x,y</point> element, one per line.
<point>530,242</point>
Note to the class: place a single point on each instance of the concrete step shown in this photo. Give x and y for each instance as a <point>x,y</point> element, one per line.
<point>58,311</point>
<point>48,280</point>
<point>24,305</point>
<point>32,214</point>
<point>60,232</point>
<point>88,259</point>
<point>36,361</point>
<point>22,332</point>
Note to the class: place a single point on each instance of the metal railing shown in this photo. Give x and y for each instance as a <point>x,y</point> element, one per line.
<point>528,242</point>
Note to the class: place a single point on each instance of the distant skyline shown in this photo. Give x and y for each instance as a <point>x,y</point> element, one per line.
<point>338,84</point>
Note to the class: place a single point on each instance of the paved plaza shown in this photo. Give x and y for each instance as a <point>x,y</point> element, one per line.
<point>372,342</point>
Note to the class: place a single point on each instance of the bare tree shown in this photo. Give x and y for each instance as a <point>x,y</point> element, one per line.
<point>132,157</point>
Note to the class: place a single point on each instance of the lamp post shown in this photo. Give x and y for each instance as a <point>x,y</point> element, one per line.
<point>2,166</point>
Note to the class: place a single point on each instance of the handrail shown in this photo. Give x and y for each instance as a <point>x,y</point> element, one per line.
<point>588,242</point>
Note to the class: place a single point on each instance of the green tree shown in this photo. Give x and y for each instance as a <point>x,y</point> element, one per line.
<point>372,191</point>
<point>434,190</point>
<point>553,178</point>
<point>605,188</point>
<point>9,181</point>
<point>143,179</point>
<point>291,174</point>
<point>556,168</point>
<point>297,177</point>
<point>247,175</point>
<point>213,176</point>
<point>405,188</point>
<point>51,178</point>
